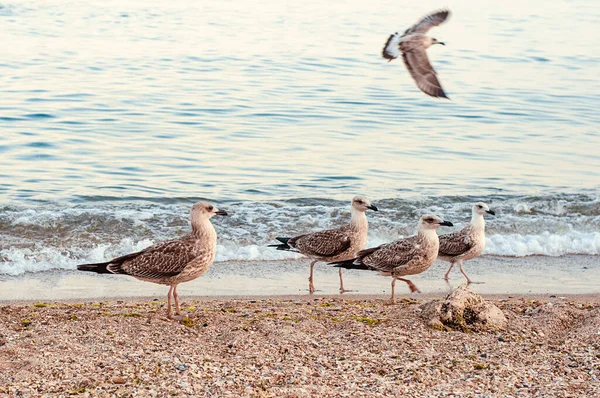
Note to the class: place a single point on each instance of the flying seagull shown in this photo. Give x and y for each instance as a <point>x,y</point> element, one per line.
<point>333,244</point>
<point>467,243</point>
<point>412,45</point>
<point>408,256</point>
<point>171,262</point>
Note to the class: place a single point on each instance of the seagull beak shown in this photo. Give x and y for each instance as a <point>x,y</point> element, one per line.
<point>447,223</point>
<point>442,43</point>
<point>491,212</point>
<point>221,213</point>
<point>372,208</point>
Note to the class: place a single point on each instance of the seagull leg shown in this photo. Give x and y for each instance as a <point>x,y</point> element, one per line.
<point>392,299</point>
<point>311,287</point>
<point>469,281</point>
<point>411,286</point>
<point>176,297</point>
<point>169,315</point>
<point>449,269</point>
<point>342,290</point>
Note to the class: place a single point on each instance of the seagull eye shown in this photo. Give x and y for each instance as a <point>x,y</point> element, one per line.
<point>210,208</point>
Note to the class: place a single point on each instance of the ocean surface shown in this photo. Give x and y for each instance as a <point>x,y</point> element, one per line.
<point>117,116</point>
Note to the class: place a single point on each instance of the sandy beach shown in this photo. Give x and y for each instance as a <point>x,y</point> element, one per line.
<point>297,346</point>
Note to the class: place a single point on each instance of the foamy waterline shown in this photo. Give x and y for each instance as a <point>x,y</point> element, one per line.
<point>58,236</point>
<point>19,261</point>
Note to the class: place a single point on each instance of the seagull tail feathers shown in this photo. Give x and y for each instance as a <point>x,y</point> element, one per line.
<point>283,245</point>
<point>350,264</point>
<point>100,268</point>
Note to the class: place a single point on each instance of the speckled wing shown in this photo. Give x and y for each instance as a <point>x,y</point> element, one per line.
<point>420,69</point>
<point>327,243</point>
<point>429,22</point>
<point>163,260</point>
<point>389,256</point>
<point>455,244</point>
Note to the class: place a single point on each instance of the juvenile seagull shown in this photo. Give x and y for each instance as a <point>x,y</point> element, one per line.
<point>412,45</point>
<point>333,244</point>
<point>171,262</point>
<point>408,256</point>
<point>467,243</point>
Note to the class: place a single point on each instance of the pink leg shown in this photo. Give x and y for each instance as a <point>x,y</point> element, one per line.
<point>411,286</point>
<point>169,303</point>
<point>342,290</point>
<point>449,269</point>
<point>311,286</point>
<point>392,298</point>
<point>469,281</point>
<point>176,297</point>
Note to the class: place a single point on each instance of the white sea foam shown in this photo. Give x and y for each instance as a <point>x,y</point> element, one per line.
<point>17,261</point>
<point>56,237</point>
<point>546,244</point>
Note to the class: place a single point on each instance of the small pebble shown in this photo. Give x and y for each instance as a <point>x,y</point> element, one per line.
<point>119,380</point>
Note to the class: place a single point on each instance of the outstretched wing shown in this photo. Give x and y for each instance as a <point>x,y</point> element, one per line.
<point>428,22</point>
<point>420,69</point>
<point>327,243</point>
<point>162,260</point>
<point>455,244</point>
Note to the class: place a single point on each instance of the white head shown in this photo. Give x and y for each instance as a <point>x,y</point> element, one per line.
<point>429,221</point>
<point>361,204</point>
<point>204,210</point>
<point>481,208</point>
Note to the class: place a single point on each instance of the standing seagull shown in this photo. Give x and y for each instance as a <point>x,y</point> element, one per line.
<point>333,244</point>
<point>171,262</point>
<point>408,256</point>
<point>467,243</point>
<point>412,45</point>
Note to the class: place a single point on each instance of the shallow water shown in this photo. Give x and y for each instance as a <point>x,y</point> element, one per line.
<point>116,116</point>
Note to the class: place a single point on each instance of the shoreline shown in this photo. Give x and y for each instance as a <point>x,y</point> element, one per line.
<point>565,275</point>
<point>593,298</point>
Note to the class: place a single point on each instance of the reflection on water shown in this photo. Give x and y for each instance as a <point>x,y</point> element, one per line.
<point>286,100</point>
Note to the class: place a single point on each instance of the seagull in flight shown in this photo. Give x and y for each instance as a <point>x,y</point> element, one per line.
<point>412,45</point>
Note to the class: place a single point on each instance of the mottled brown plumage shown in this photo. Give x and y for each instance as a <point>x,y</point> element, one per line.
<point>171,262</point>
<point>467,243</point>
<point>336,244</point>
<point>456,243</point>
<point>412,44</point>
<point>408,256</point>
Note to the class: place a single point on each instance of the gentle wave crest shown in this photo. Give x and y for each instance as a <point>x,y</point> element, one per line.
<point>19,261</point>
<point>59,236</point>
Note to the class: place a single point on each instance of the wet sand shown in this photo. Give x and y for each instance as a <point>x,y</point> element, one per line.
<point>500,275</point>
<point>297,346</point>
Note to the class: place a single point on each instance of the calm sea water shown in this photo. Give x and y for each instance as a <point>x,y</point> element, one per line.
<point>117,115</point>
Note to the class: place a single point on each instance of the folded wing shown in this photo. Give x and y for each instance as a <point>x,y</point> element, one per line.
<point>163,260</point>
<point>327,243</point>
<point>454,244</point>
<point>389,256</point>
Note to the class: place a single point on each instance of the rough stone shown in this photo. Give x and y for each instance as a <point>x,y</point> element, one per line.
<point>464,311</point>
